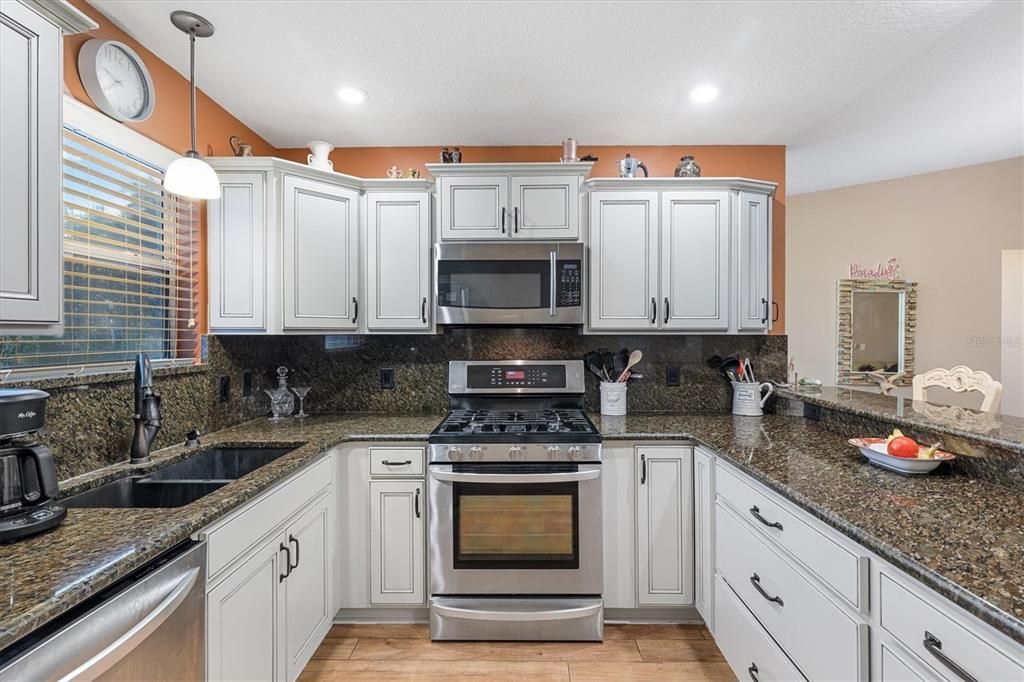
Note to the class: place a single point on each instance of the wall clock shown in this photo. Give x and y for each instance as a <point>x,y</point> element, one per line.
<point>116,80</point>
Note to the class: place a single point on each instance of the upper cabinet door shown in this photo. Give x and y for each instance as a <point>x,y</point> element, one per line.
<point>320,260</point>
<point>545,207</point>
<point>475,207</point>
<point>754,250</point>
<point>397,260</point>
<point>695,260</point>
<point>237,246</point>
<point>664,518</point>
<point>31,242</point>
<point>624,260</point>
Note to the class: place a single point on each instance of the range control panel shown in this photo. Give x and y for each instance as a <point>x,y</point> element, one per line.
<point>518,376</point>
<point>569,283</point>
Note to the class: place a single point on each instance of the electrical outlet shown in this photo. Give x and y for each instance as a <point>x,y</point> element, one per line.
<point>224,390</point>
<point>246,383</point>
<point>387,377</point>
<point>671,376</point>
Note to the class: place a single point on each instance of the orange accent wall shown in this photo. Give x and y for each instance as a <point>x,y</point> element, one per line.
<point>169,122</point>
<point>762,162</point>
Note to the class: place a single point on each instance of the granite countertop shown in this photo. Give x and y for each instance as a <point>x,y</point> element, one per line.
<point>1001,431</point>
<point>961,536</point>
<point>45,575</point>
<point>952,532</point>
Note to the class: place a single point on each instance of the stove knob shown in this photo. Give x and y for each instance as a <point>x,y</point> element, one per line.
<point>554,451</point>
<point>515,452</point>
<point>476,452</point>
<point>454,453</point>
<point>575,452</point>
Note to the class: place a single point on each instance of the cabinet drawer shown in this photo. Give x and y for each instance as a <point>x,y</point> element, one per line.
<point>396,461</point>
<point>231,537</point>
<point>911,619</point>
<point>839,568</point>
<point>745,644</point>
<point>824,642</point>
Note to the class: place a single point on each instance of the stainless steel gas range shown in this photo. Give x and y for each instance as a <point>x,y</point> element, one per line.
<point>515,506</point>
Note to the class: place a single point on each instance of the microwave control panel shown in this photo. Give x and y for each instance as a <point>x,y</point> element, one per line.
<point>569,283</point>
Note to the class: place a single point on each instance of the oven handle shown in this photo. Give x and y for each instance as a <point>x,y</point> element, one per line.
<point>555,477</point>
<point>560,614</point>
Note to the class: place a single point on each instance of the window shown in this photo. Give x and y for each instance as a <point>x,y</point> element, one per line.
<point>130,257</point>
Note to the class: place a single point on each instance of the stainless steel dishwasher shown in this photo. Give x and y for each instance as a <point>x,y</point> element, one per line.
<point>150,627</point>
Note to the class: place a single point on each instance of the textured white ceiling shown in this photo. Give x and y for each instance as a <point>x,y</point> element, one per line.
<point>508,73</point>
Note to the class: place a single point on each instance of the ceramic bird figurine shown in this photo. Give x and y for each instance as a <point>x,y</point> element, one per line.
<point>886,382</point>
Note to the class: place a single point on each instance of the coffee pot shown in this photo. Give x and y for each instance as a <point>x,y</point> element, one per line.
<point>628,167</point>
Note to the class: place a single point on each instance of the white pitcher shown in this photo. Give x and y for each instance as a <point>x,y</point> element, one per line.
<point>613,398</point>
<point>747,400</point>
<point>319,157</point>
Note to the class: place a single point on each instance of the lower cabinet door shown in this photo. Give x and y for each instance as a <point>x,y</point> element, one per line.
<point>307,590</point>
<point>242,614</point>
<point>397,551</point>
<point>704,539</point>
<point>664,525</point>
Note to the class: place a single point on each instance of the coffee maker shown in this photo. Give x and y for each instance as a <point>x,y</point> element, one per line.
<point>28,474</point>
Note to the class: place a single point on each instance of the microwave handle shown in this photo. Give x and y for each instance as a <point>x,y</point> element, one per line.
<point>554,284</point>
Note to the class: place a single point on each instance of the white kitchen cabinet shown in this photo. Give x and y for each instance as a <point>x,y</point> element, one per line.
<point>31,226</point>
<point>695,260</point>
<point>618,510</point>
<point>474,207</point>
<point>237,240</point>
<point>664,525</point>
<point>397,549</point>
<point>243,615</point>
<point>545,207</point>
<point>320,264</point>
<point>308,600</point>
<point>397,260</point>
<point>623,260</point>
<point>753,269</point>
<point>704,539</point>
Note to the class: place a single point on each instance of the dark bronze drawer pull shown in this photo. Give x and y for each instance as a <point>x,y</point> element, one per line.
<point>755,580</point>
<point>934,647</point>
<point>387,462</point>
<point>756,513</point>
<point>643,470</point>
<point>288,562</point>
<point>291,539</point>
<point>417,503</point>
<point>752,670</point>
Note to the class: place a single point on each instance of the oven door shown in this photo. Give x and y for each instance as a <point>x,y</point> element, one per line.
<point>519,528</point>
<point>537,283</point>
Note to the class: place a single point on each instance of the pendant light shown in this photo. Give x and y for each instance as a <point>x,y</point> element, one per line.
<point>190,176</point>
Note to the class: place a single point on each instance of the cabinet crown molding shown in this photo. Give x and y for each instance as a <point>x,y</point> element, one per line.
<point>66,16</point>
<point>242,164</point>
<point>534,168</point>
<point>655,184</point>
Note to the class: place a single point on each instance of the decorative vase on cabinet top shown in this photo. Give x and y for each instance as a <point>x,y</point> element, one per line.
<point>687,168</point>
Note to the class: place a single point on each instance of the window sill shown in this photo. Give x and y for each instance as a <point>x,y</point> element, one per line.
<point>44,382</point>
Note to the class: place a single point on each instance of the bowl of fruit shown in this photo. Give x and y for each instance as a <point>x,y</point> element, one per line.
<point>901,453</point>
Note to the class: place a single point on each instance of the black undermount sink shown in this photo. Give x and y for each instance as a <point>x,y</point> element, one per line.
<point>180,483</point>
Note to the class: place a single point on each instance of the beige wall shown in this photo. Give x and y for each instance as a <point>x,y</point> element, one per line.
<point>947,229</point>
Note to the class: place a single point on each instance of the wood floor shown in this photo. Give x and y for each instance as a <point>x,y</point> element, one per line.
<point>629,652</point>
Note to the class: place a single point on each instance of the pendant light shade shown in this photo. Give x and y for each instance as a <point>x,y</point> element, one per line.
<point>190,176</point>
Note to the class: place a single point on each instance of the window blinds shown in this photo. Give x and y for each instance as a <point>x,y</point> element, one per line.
<point>130,266</point>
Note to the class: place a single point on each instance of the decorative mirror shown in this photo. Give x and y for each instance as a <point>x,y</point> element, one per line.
<point>875,337</point>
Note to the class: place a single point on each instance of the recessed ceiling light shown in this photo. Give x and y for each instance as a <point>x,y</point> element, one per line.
<point>702,94</point>
<point>350,94</point>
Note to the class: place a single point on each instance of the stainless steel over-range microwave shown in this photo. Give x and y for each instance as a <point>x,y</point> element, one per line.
<point>523,283</point>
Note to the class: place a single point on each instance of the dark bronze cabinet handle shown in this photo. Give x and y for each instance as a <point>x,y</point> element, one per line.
<point>643,470</point>
<point>752,671</point>
<point>756,513</point>
<point>764,302</point>
<point>503,220</point>
<point>423,310</point>
<point>775,311</point>
<point>389,463</point>
<point>515,219</point>
<point>934,647</point>
<point>666,310</point>
<point>291,539</point>
<point>355,309</point>
<point>654,310</point>
<point>755,580</point>
<point>417,503</point>
<point>288,562</point>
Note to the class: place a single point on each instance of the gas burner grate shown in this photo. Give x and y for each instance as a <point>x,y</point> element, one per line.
<point>515,421</point>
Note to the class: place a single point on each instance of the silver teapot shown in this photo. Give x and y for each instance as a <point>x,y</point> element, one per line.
<point>628,167</point>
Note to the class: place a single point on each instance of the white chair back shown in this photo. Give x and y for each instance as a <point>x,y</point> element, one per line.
<point>961,379</point>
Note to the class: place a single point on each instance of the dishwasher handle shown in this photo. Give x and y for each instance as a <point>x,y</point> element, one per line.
<point>107,657</point>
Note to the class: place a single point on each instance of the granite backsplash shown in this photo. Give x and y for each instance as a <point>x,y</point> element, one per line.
<point>347,378</point>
